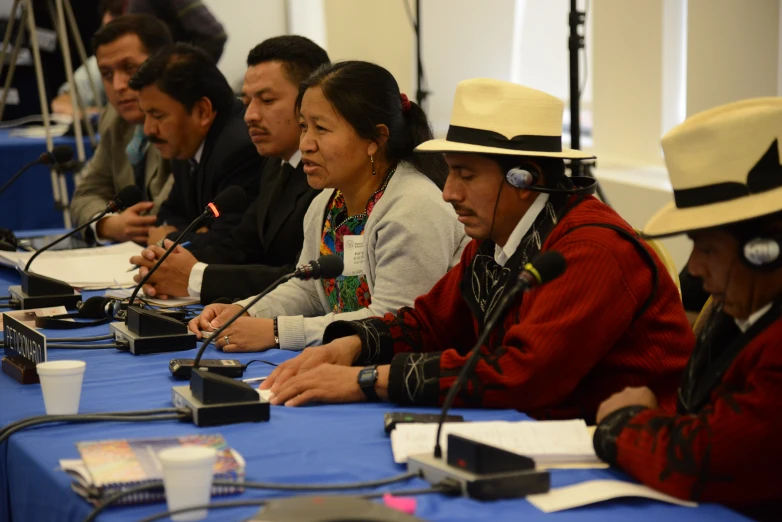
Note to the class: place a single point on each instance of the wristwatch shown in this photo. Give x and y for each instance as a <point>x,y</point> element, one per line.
<point>366,381</point>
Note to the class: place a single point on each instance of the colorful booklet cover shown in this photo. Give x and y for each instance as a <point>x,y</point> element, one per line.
<point>109,467</point>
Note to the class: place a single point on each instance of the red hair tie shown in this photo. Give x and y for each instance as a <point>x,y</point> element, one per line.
<point>405,102</point>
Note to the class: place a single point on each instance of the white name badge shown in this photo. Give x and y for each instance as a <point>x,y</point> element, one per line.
<point>354,255</point>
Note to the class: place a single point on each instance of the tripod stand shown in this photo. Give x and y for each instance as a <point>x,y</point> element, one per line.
<point>57,11</point>
<point>575,44</point>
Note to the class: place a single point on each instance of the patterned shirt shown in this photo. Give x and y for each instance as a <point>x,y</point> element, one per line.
<point>347,293</point>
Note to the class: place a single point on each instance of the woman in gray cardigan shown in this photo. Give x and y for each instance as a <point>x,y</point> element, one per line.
<point>384,213</point>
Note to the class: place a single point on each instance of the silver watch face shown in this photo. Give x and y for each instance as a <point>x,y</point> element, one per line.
<point>367,377</point>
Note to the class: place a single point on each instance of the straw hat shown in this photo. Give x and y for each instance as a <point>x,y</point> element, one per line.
<point>496,117</point>
<point>724,167</point>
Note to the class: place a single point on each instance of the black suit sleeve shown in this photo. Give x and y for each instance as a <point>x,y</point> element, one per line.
<point>170,212</point>
<point>242,246</point>
<point>239,282</point>
<point>242,166</point>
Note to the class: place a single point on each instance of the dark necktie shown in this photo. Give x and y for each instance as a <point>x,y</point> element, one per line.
<point>277,202</point>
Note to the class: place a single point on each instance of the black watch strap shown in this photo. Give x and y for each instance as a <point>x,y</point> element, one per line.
<point>366,381</point>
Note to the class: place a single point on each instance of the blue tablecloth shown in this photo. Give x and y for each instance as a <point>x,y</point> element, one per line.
<point>29,203</point>
<point>319,444</point>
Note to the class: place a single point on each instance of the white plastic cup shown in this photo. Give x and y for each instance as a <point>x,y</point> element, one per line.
<point>187,479</point>
<point>61,385</point>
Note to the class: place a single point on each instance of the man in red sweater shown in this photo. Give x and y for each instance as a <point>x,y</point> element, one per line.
<point>613,319</point>
<point>723,442</point>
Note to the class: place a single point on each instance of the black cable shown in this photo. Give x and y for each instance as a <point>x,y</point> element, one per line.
<point>97,346</point>
<point>259,502</point>
<point>5,298</point>
<point>257,485</point>
<point>79,339</point>
<point>259,361</point>
<point>6,307</point>
<point>12,428</point>
<point>156,411</point>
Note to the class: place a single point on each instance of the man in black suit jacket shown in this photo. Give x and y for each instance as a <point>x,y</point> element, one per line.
<point>193,118</point>
<point>267,242</point>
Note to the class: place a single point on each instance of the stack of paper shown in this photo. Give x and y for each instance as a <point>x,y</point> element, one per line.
<point>85,268</point>
<point>548,443</point>
<point>171,302</point>
<point>593,491</point>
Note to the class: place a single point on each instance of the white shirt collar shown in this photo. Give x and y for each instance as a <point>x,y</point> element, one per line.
<point>502,254</point>
<point>295,159</point>
<point>199,152</point>
<point>746,324</point>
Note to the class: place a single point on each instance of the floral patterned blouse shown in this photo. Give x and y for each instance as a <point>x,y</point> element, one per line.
<point>346,293</point>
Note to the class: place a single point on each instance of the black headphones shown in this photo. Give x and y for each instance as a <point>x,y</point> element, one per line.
<point>100,309</point>
<point>762,253</point>
<point>526,174</point>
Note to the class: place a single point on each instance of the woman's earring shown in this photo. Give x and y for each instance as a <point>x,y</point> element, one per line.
<point>372,159</point>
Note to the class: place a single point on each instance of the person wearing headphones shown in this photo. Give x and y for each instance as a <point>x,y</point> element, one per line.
<point>613,319</point>
<point>722,443</point>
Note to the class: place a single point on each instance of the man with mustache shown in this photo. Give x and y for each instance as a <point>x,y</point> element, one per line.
<point>722,442</point>
<point>614,316</point>
<point>194,120</point>
<point>267,242</point>
<point>123,156</point>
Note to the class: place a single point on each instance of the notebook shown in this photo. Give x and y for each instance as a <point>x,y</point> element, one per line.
<point>87,268</point>
<point>112,466</point>
<point>548,443</point>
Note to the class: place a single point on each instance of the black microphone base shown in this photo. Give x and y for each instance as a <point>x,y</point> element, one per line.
<point>23,301</point>
<point>140,344</point>
<point>255,410</point>
<point>480,486</point>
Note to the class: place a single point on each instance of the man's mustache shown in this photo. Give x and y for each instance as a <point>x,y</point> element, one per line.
<point>155,139</point>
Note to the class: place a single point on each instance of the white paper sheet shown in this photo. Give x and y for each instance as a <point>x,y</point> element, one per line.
<point>595,491</point>
<point>547,442</point>
<point>172,302</point>
<point>87,268</point>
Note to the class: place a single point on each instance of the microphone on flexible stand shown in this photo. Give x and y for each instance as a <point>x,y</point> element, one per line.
<point>485,472</point>
<point>37,291</point>
<point>215,399</point>
<point>151,331</point>
<point>60,155</point>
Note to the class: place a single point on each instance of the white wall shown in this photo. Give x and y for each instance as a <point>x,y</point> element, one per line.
<point>247,23</point>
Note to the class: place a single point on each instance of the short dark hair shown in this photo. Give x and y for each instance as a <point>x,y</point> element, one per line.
<point>187,74</point>
<point>367,95</point>
<point>153,34</point>
<point>553,169</point>
<point>299,56</point>
<point>114,7</point>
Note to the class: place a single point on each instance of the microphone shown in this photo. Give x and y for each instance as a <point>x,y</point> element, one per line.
<point>59,155</point>
<point>231,197</point>
<point>482,471</point>
<point>545,268</point>
<point>37,291</point>
<point>215,399</point>
<point>127,197</point>
<point>327,267</point>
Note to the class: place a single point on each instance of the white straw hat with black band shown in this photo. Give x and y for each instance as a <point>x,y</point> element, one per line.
<point>498,117</point>
<point>724,166</point>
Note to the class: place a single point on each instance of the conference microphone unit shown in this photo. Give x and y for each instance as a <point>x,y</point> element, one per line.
<point>485,472</point>
<point>60,155</point>
<point>215,399</point>
<point>38,291</point>
<point>150,331</point>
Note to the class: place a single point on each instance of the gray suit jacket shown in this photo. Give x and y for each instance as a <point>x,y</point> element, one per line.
<point>109,171</point>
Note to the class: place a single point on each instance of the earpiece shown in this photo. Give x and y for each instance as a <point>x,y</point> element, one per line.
<point>527,174</point>
<point>762,253</point>
<point>524,176</point>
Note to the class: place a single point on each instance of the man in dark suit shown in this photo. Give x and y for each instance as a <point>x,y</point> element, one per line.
<point>267,242</point>
<point>193,118</point>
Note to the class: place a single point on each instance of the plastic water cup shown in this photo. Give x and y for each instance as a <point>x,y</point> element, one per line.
<point>187,479</point>
<point>61,385</point>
